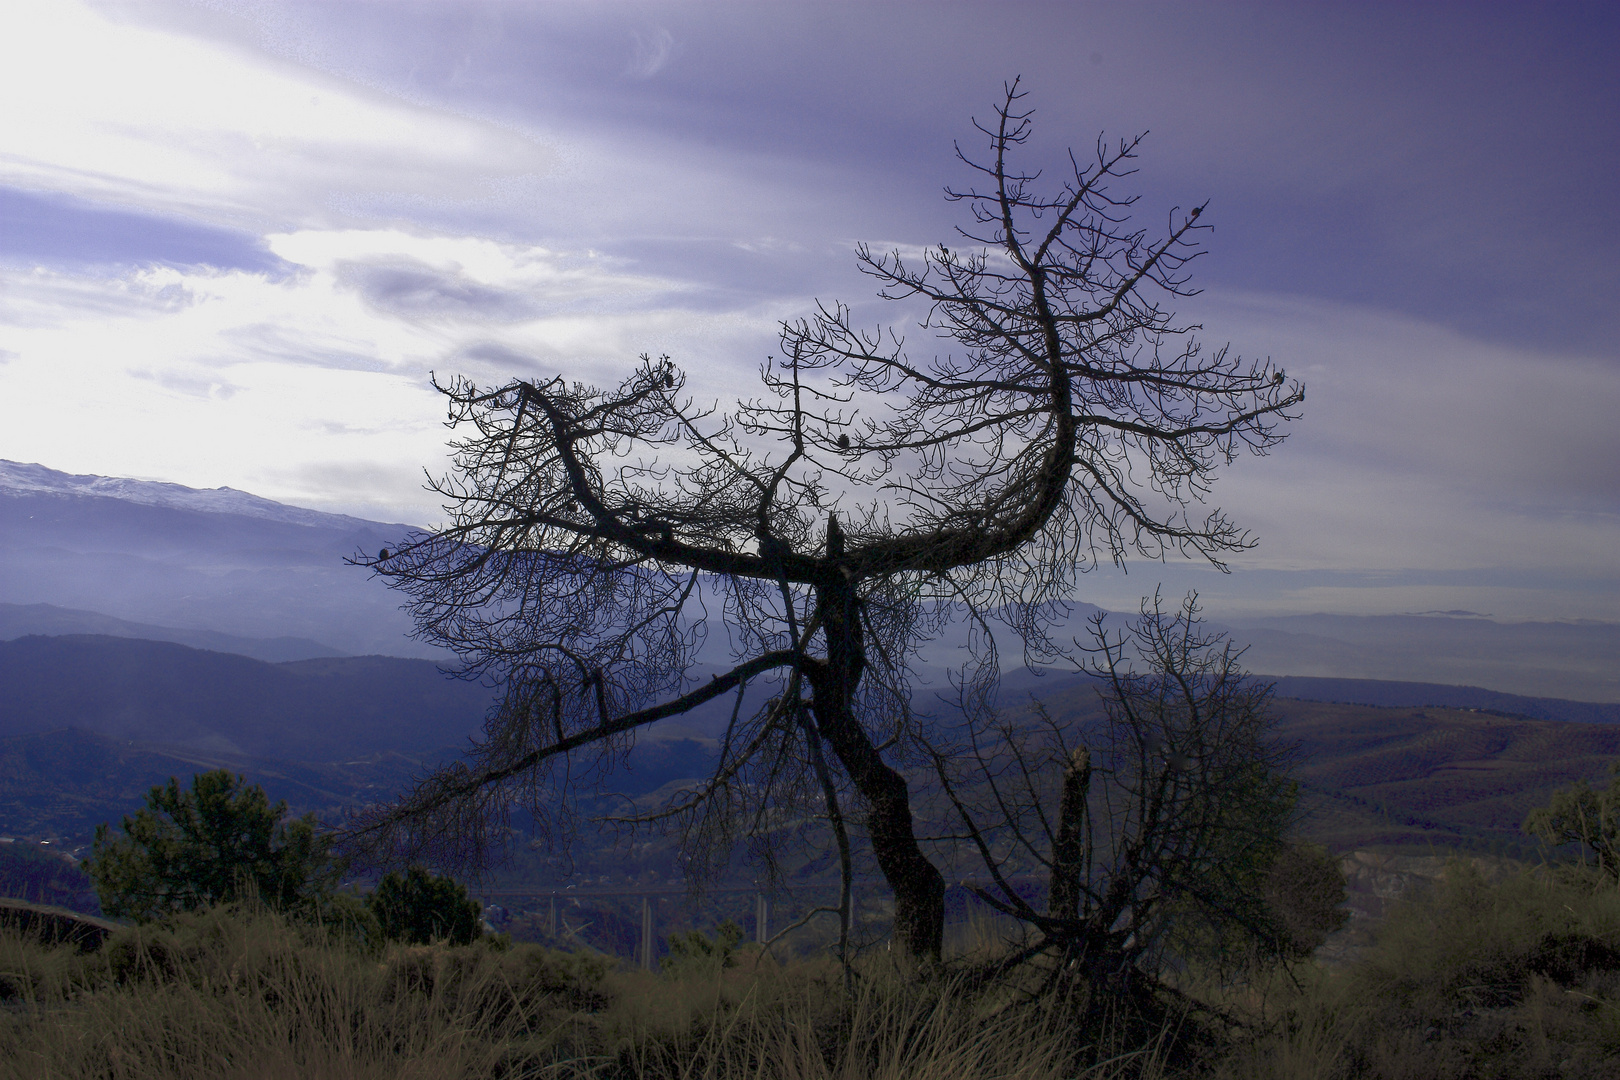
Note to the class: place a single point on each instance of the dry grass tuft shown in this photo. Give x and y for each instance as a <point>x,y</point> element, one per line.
<point>1476,980</point>
<point>245,994</point>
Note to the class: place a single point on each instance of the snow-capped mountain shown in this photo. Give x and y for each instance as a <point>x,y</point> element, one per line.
<point>219,561</point>
<point>23,478</point>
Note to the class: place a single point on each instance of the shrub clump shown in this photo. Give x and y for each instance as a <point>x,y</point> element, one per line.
<point>696,951</point>
<point>218,842</point>
<point>1469,980</point>
<point>418,908</point>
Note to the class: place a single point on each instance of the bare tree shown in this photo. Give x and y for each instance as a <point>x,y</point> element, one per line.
<point>865,498</point>
<point>1154,830</point>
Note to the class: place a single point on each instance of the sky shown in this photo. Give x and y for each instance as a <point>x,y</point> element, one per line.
<point>236,238</point>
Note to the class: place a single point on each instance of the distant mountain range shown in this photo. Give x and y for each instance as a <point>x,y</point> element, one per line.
<point>1380,693</point>
<point>88,723</point>
<point>21,620</point>
<point>1577,660</point>
<point>230,571</point>
<point>220,561</point>
<point>1399,695</point>
<point>185,703</point>
<point>20,479</point>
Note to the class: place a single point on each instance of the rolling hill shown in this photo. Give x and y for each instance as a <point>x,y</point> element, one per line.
<point>22,620</point>
<point>163,693</point>
<point>88,723</point>
<point>1419,777</point>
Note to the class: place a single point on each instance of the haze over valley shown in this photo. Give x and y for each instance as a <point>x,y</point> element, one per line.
<point>228,571</point>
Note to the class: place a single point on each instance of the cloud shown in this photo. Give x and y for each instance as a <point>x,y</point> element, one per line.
<point>315,205</point>
<point>45,298</point>
<point>279,146</point>
<point>443,273</point>
<point>1426,405</point>
<point>261,381</point>
<point>413,289</point>
<point>376,482</point>
<point>653,51</point>
<point>208,389</point>
<point>1429,471</point>
<point>138,117</point>
<point>1421,453</point>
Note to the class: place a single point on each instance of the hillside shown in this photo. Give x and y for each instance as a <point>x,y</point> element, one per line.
<point>62,784</point>
<point>1419,777</point>
<point>1416,777</point>
<point>1401,774</point>
<point>149,630</point>
<point>89,723</point>
<point>164,693</point>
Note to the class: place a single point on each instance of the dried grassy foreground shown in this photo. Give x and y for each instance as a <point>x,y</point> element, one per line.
<point>1473,981</point>
<point>1520,979</point>
<point>231,995</point>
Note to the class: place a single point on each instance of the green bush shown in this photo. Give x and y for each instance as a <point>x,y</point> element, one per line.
<point>219,842</point>
<point>420,908</point>
<point>695,951</point>
<point>1583,819</point>
<point>343,918</point>
<point>1471,944</point>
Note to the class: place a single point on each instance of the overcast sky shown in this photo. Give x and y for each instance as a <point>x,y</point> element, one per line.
<point>235,238</point>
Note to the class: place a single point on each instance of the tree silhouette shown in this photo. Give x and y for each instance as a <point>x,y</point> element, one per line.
<point>867,497</point>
